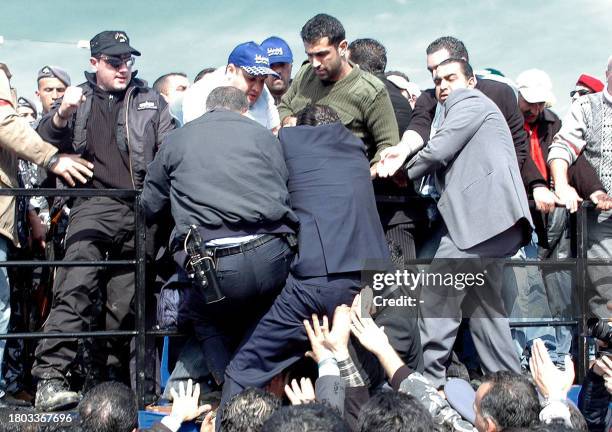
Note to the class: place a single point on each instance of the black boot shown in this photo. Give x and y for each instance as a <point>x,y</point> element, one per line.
<point>55,395</point>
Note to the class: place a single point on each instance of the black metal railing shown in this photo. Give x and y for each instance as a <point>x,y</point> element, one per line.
<point>140,332</point>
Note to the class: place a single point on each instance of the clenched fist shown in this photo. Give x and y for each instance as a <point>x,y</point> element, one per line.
<point>73,98</point>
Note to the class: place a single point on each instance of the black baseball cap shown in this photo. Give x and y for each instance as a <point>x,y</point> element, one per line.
<point>111,42</point>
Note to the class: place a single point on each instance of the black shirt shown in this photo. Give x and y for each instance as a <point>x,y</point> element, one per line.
<point>111,163</point>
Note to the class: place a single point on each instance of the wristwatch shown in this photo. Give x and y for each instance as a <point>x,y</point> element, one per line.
<point>52,161</point>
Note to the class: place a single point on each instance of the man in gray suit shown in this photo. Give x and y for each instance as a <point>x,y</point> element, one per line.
<point>486,215</point>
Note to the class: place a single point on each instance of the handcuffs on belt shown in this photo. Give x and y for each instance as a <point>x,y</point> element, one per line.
<point>201,266</point>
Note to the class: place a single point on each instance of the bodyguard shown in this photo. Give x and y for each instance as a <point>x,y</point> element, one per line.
<point>225,174</point>
<point>117,123</point>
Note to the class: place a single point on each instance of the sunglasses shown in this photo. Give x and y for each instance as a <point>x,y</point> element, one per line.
<point>579,92</point>
<point>116,62</point>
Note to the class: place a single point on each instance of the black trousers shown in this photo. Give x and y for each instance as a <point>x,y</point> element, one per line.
<point>401,323</point>
<point>99,228</point>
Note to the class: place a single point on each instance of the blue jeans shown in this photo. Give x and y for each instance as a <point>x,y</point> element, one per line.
<point>534,294</point>
<point>5,303</point>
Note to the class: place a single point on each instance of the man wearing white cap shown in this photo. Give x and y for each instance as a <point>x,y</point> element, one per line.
<point>541,124</point>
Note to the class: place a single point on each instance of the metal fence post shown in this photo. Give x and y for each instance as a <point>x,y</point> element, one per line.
<point>139,299</point>
<point>581,285</point>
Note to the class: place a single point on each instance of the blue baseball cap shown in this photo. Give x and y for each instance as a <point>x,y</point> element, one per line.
<point>277,49</point>
<point>251,58</point>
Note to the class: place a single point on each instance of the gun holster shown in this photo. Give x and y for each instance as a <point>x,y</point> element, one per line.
<point>201,267</point>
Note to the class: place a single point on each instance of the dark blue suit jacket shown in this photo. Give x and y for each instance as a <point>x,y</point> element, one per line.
<point>331,192</point>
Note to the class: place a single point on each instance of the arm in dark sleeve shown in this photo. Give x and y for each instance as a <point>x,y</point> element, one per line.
<point>584,178</point>
<point>329,389</point>
<point>529,171</point>
<point>593,401</point>
<point>156,189</point>
<point>401,106</point>
<point>423,114</point>
<point>59,137</point>
<point>505,99</point>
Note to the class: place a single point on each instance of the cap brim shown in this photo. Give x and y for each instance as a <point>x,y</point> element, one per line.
<point>532,95</point>
<point>120,49</point>
<point>259,71</point>
<point>461,396</point>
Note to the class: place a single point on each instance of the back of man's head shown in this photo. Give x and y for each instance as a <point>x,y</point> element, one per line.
<point>455,48</point>
<point>109,407</point>
<point>161,83</point>
<point>203,73</point>
<point>320,26</point>
<point>249,410</point>
<point>314,417</point>
<point>511,401</point>
<point>369,54</point>
<point>317,115</point>
<point>394,412</point>
<point>229,98</point>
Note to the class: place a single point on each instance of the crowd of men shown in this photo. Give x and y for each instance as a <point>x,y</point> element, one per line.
<point>270,201</point>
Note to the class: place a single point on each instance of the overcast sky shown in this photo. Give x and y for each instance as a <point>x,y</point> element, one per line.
<point>563,37</point>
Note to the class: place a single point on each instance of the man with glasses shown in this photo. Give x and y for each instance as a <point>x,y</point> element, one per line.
<point>587,131</point>
<point>117,123</point>
<point>585,85</point>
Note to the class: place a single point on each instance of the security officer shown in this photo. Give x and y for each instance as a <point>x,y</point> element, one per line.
<point>225,175</point>
<point>116,122</point>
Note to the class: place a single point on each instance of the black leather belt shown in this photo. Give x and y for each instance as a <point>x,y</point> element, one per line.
<point>220,251</point>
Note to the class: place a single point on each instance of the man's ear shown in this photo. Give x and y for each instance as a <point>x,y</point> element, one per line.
<point>94,63</point>
<point>230,69</point>
<point>472,82</point>
<point>491,426</point>
<point>343,48</point>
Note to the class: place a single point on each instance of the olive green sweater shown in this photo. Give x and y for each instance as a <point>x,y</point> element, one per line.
<point>360,99</point>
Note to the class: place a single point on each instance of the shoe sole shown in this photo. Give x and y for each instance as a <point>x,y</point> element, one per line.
<point>59,405</point>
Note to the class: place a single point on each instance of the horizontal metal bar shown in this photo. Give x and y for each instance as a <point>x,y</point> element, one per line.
<point>110,263</point>
<point>544,323</point>
<point>72,335</point>
<point>114,193</point>
<point>162,333</point>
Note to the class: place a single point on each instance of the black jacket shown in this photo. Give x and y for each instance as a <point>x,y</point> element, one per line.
<point>224,173</point>
<point>142,124</point>
<point>401,106</point>
<point>392,213</point>
<point>506,101</point>
<point>594,401</point>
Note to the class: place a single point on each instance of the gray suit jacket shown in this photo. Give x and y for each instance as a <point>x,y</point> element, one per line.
<point>476,170</point>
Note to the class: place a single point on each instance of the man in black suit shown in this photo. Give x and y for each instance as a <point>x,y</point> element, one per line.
<point>340,232</point>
